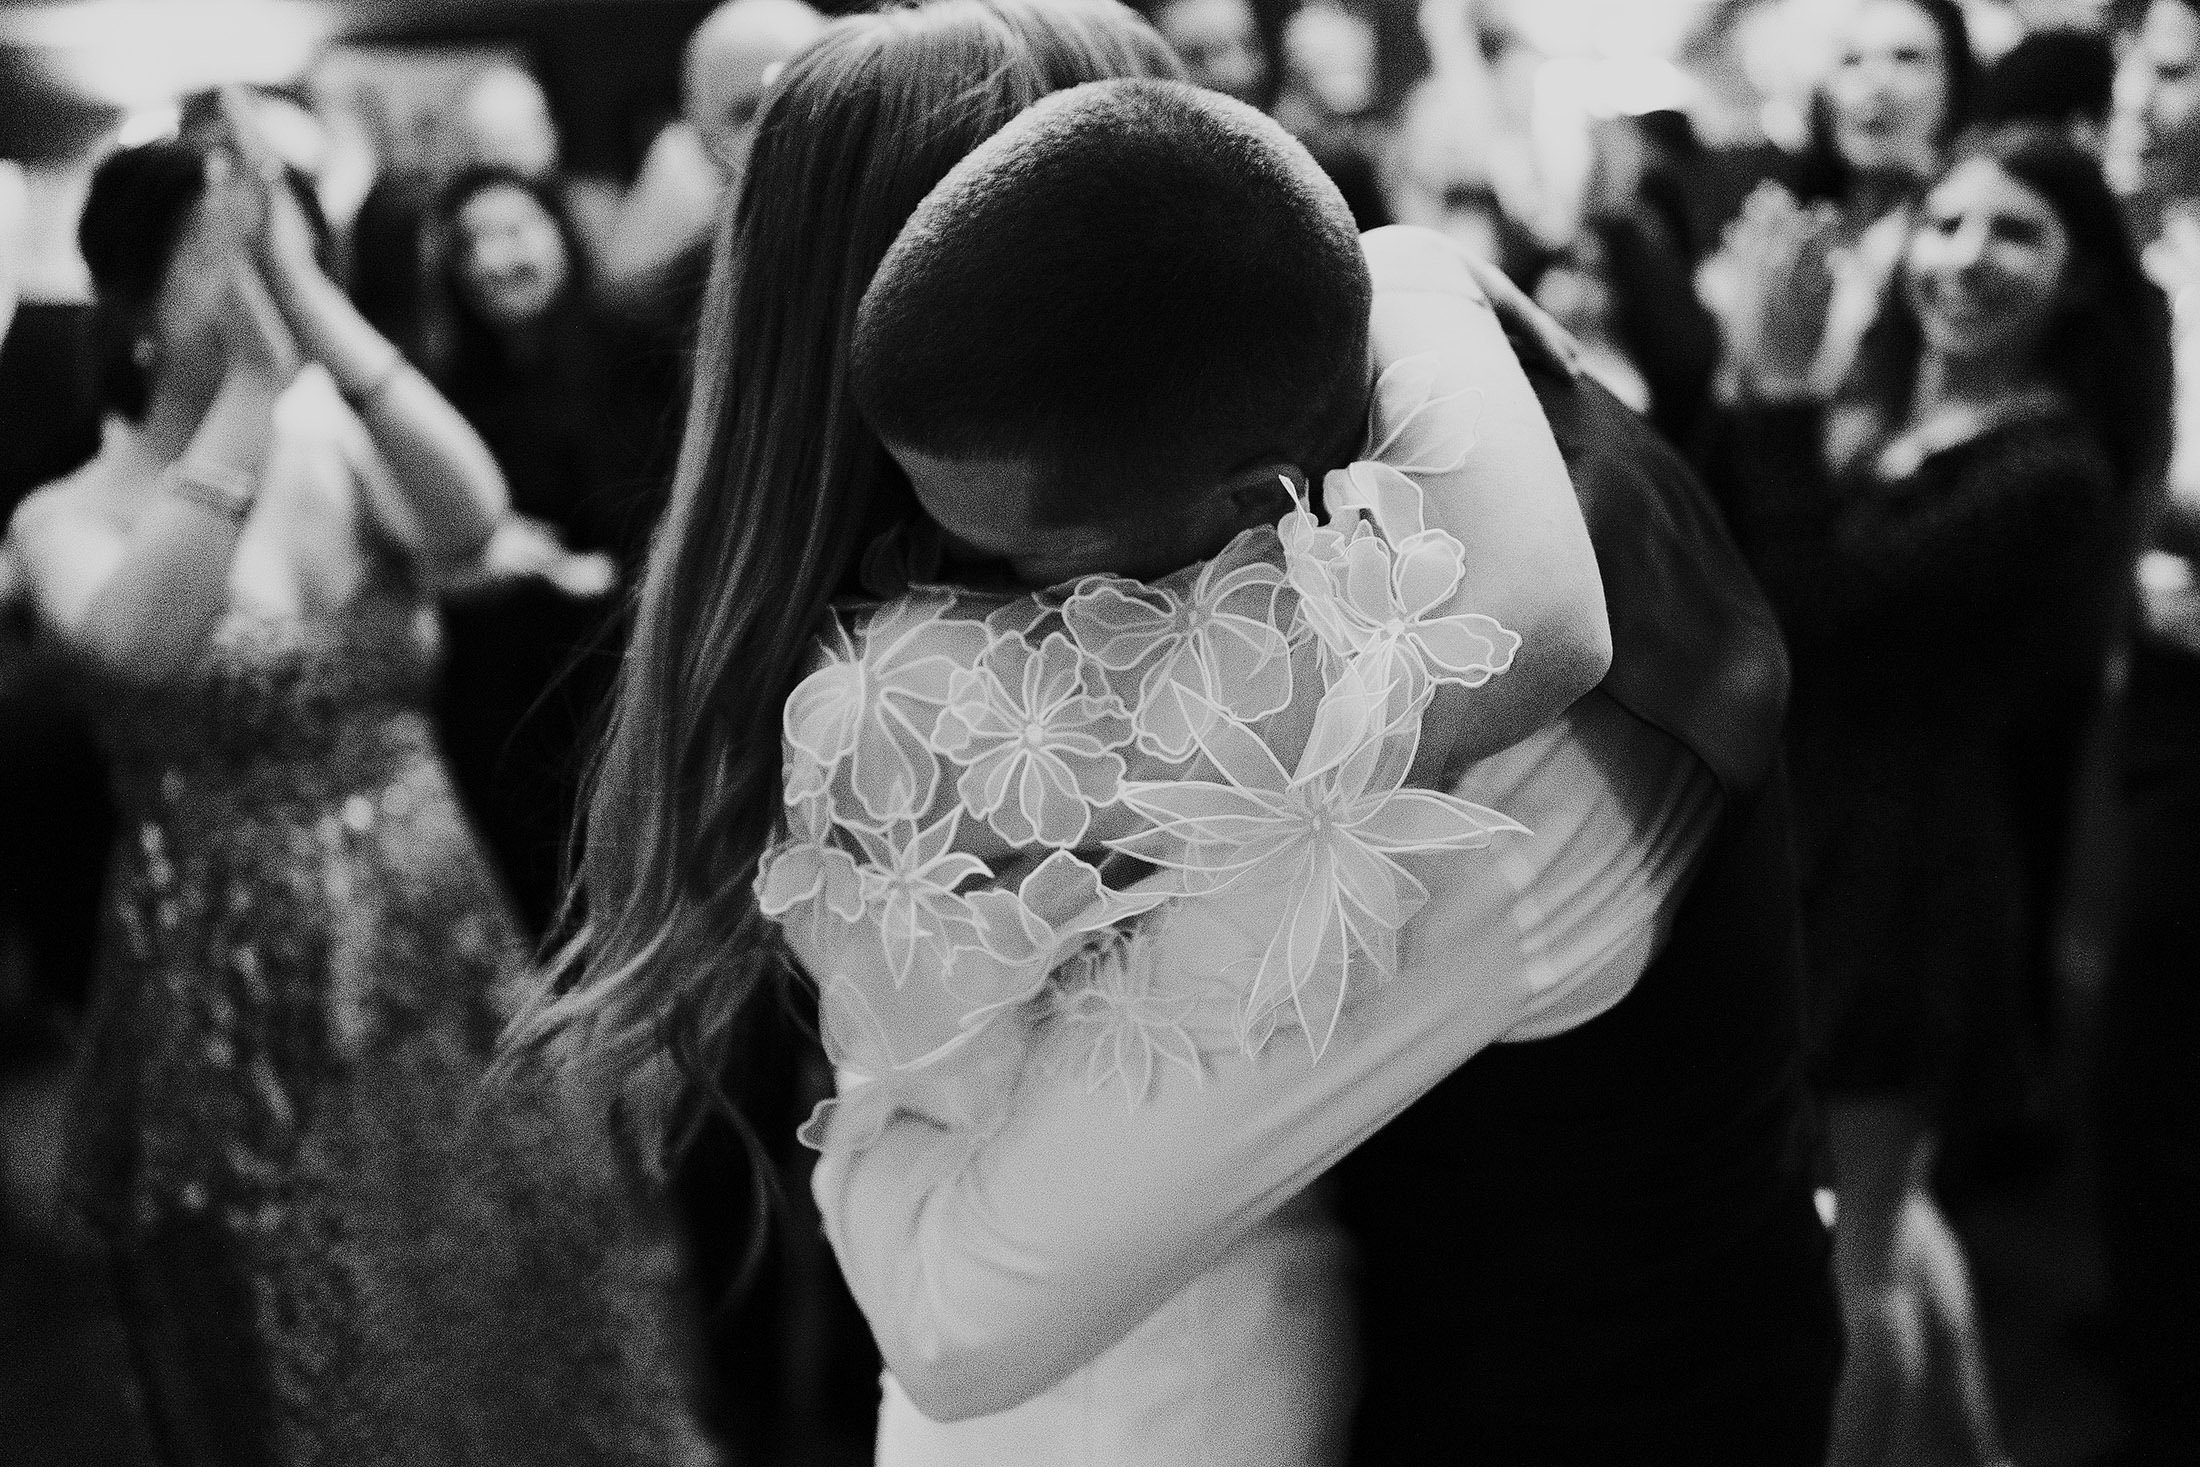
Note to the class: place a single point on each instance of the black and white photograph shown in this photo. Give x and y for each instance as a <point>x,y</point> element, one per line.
<point>1100,733</point>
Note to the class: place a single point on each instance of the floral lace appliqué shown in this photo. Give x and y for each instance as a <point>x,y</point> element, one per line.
<point>965,771</point>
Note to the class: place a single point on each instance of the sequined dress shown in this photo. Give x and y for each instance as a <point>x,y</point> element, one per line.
<point>333,1243</point>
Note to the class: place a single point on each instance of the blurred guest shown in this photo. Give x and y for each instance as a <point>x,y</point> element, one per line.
<point>519,680</point>
<point>1744,132</point>
<point>329,1241</point>
<point>1900,89</point>
<point>396,260</point>
<point>2058,78</point>
<point>503,120</point>
<point>1466,160</point>
<point>658,249</point>
<point>1626,277</point>
<point>2148,1091</point>
<point>656,256</point>
<point>1328,103</point>
<point>1221,44</point>
<point>1943,541</point>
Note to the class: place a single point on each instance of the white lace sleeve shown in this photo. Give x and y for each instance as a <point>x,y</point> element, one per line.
<point>963,777</point>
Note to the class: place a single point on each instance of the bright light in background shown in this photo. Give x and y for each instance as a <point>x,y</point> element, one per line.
<point>137,54</point>
<point>148,125</point>
<point>1612,86</point>
<point>1602,27</point>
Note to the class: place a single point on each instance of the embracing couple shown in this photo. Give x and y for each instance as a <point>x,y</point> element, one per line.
<point>1271,779</point>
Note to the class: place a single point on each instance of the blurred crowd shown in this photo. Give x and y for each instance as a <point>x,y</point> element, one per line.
<point>1910,282</point>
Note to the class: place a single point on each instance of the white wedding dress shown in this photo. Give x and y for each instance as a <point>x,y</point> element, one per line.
<point>1251,1362</point>
<point>1089,862</point>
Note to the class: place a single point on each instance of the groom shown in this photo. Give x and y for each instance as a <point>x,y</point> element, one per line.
<point>1599,1247</point>
<point>1593,1245</point>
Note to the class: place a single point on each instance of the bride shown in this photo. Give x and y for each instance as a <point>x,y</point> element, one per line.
<point>784,507</point>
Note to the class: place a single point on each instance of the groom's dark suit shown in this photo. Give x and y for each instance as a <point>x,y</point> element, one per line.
<point>1601,1248</point>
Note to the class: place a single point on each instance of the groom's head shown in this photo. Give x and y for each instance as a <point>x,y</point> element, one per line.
<point>1102,332</point>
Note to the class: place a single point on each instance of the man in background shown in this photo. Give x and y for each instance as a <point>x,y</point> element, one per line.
<point>658,245</point>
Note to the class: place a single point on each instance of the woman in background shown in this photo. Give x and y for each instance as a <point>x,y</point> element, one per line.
<point>1900,90</point>
<point>1945,541</point>
<point>526,660</point>
<point>329,1243</point>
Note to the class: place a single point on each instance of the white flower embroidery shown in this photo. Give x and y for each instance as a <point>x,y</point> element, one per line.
<point>1290,674</point>
<point>1137,1018</point>
<point>1051,910</point>
<point>867,716</point>
<point>1036,744</point>
<point>1422,418</point>
<point>808,867</point>
<point>1369,591</point>
<point>1218,646</point>
<point>1324,834</point>
<point>909,881</point>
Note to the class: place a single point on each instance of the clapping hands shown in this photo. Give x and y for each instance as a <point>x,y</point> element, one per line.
<point>237,203</point>
<point>1770,286</point>
<point>283,242</point>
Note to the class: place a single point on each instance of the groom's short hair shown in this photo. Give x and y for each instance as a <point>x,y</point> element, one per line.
<point>1137,287</point>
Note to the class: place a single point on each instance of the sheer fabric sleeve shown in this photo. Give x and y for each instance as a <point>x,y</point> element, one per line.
<point>1528,559</point>
<point>991,1268</point>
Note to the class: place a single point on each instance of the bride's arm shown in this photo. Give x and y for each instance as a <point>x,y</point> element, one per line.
<point>992,1268</point>
<point>989,1273</point>
<point>1511,504</point>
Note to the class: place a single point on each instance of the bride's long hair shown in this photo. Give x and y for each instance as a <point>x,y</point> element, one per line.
<point>779,487</point>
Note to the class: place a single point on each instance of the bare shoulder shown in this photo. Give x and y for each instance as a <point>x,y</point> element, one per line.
<point>60,525</point>
<point>83,499</point>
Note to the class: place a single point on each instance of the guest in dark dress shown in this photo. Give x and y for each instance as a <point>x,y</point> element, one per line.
<point>1329,102</point>
<point>1945,544</point>
<point>527,658</point>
